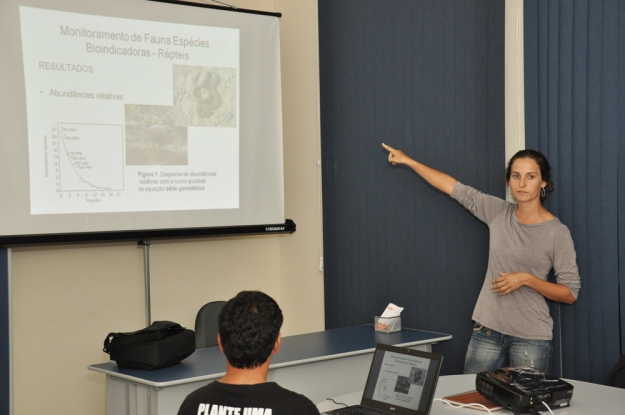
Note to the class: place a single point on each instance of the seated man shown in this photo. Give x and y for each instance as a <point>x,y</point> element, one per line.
<point>249,334</point>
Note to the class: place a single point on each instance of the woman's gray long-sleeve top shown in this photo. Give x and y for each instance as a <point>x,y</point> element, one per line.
<point>516,247</point>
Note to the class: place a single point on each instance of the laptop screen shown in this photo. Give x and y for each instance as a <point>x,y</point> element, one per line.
<point>401,380</point>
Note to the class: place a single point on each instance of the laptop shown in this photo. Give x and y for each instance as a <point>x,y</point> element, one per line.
<point>401,381</point>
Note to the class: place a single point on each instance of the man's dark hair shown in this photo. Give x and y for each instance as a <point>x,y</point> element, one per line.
<point>249,325</point>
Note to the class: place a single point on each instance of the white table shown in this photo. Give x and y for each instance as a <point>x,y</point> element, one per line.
<point>318,365</point>
<point>588,398</point>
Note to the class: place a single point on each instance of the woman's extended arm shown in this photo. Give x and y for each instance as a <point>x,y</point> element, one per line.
<point>508,282</point>
<point>443,182</point>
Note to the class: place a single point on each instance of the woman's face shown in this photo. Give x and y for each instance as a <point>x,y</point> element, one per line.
<point>525,180</point>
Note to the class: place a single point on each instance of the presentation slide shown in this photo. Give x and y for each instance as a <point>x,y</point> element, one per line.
<point>401,379</point>
<point>125,118</point>
<point>128,115</point>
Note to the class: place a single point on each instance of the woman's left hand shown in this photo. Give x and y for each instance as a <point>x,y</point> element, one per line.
<point>509,281</point>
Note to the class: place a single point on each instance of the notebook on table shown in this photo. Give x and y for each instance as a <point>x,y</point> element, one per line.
<point>401,381</point>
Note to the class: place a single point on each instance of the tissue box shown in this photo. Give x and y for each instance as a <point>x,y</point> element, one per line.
<point>387,324</point>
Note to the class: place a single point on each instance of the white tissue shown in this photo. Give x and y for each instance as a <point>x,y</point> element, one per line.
<point>392,310</point>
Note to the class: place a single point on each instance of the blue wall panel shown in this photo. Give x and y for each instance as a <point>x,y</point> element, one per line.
<point>4,332</point>
<point>426,77</point>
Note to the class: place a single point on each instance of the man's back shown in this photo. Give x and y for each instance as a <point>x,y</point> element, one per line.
<point>260,399</point>
<point>249,334</point>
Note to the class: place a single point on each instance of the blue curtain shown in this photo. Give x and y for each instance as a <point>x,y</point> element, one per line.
<point>575,115</point>
<point>426,77</point>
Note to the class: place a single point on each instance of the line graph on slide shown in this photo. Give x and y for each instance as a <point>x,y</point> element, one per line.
<point>91,157</point>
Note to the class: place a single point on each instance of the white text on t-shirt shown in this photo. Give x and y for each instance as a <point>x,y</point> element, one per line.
<point>208,409</point>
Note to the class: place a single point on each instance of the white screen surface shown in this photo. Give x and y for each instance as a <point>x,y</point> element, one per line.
<point>140,115</point>
<point>401,379</point>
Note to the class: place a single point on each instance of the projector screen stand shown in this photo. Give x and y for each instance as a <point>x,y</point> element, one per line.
<point>146,265</point>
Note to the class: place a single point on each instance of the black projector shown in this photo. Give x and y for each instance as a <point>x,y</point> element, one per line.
<point>523,389</point>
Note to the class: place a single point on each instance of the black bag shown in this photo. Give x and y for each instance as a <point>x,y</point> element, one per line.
<point>161,344</point>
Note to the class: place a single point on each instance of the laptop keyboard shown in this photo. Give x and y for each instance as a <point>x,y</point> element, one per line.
<point>355,410</point>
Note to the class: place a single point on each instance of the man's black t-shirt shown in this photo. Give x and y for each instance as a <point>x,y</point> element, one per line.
<point>260,399</point>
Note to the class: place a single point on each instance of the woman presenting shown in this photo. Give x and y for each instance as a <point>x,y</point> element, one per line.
<point>512,325</point>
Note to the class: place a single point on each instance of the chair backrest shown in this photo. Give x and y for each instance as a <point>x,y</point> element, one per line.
<point>206,327</point>
<point>616,377</point>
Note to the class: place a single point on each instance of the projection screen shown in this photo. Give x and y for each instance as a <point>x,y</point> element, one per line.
<point>125,117</point>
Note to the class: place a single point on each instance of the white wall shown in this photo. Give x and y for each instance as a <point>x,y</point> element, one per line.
<point>66,299</point>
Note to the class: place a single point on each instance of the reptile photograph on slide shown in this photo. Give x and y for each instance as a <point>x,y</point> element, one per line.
<point>205,96</point>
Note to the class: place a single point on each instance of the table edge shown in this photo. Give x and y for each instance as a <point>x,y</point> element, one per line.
<point>160,385</point>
